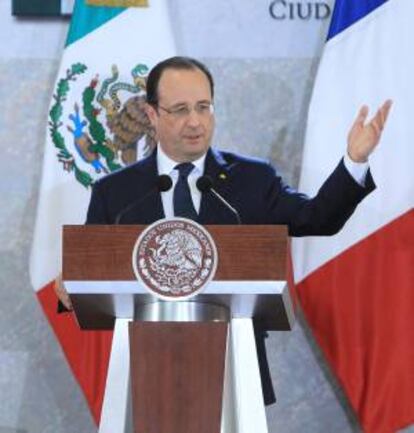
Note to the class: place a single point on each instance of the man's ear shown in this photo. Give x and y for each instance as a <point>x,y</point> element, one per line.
<point>152,114</point>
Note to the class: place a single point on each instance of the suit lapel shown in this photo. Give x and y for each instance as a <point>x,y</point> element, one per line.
<point>212,211</point>
<point>151,208</point>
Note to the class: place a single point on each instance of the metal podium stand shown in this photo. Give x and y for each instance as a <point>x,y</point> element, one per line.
<point>249,283</point>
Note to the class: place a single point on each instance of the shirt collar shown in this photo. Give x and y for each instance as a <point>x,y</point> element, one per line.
<point>166,165</point>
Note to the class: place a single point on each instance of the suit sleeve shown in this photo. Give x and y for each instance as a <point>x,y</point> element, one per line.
<point>324,214</point>
<point>97,213</point>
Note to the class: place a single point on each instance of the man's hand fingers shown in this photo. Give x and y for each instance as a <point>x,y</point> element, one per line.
<point>376,126</point>
<point>61,292</point>
<point>359,121</point>
<point>364,137</point>
<point>66,301</point>
<point>382,114</point>
<point>362,115</point>
<point>385,110</point>
<point>378,121</point>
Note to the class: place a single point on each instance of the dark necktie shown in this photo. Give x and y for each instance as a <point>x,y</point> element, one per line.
<point>183,203</point>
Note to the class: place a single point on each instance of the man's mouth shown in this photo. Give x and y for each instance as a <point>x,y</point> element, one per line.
<point>193,137</point>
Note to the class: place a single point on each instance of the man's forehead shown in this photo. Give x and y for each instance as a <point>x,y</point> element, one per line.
<point>182,84</point>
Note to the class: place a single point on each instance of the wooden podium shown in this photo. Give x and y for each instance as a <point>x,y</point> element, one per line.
<point>190,366</point>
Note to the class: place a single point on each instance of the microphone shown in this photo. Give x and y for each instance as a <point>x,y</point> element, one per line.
<point>205,184</point>
<point>163,183</point>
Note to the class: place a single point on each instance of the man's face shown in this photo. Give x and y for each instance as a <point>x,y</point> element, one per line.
<point>183,120</point>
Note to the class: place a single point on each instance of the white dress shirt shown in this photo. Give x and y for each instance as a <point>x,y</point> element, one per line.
<point>165,165</point>
<point>358,170</point>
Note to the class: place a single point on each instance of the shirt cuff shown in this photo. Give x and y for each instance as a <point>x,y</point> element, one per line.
<point>358,170</point>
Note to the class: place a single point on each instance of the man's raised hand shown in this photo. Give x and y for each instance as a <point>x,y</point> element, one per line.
<point>364,136</point>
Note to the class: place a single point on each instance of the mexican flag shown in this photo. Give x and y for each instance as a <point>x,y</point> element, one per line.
<point>96,125</point>
<point>357,288</point>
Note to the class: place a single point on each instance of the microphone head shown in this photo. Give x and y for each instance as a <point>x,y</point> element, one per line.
<point>164,182</point>
<point>204,183</point>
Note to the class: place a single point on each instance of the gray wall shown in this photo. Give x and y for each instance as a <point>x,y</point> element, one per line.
<point>261,110</point>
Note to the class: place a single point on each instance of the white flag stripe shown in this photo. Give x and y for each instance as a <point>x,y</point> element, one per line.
<point>334,111</point>
<point>53,212</point>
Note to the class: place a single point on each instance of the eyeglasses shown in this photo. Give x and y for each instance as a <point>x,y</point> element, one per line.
<point>203,109</point>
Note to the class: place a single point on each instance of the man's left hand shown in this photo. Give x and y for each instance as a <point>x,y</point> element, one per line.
<point>364,137</point>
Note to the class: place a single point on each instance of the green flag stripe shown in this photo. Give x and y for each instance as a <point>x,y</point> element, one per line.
<point>85,19</point>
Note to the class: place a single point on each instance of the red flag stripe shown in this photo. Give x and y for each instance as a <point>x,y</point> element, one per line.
<point>360,306</point>
<point>87,352</point>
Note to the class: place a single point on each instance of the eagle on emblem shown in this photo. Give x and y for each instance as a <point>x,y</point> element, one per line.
<point>178,249</point>
<point>129,123</point>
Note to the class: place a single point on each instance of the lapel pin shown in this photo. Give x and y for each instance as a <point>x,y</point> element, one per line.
<point>222,176</point>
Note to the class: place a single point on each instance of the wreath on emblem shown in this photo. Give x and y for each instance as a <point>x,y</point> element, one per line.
<point>103,149</point>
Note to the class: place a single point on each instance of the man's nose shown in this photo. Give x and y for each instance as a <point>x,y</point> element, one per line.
<point>193,118</point>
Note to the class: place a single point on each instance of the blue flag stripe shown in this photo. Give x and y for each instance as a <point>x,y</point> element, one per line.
<point>347,12</point>
<point>85,19</point>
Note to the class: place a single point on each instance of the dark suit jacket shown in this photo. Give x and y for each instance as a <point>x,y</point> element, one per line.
<point>251,186</point>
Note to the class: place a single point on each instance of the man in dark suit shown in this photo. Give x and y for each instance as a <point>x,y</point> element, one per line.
<point>180,95</point>
<point>180,107</point>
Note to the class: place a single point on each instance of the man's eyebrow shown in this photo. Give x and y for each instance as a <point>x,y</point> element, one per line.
<point>184,104</point>
<point>179,104</point>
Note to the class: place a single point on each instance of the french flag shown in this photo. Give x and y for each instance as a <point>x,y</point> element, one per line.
<point>357,288</point>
